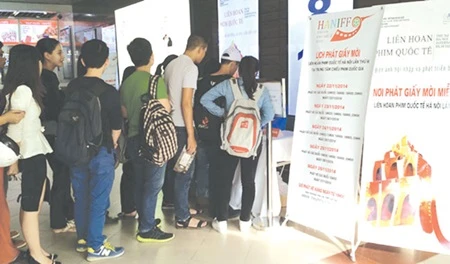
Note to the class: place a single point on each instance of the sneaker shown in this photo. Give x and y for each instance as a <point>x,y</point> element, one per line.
<point>220,226</point>
<point>81,246</point>
<point>106,251</point>
<point>244,226</point>
<point>154,235</point>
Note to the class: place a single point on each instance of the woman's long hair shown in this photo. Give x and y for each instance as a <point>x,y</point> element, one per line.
<point>24,70</point>
<point>161,67</point>
<point>248,67</point>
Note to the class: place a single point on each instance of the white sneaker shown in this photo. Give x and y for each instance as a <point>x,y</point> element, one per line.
<point>244,226</point>
<point>220,226</point>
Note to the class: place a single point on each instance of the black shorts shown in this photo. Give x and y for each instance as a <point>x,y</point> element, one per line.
<point>34,173</point>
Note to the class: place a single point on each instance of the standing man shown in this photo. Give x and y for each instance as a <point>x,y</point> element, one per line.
<point>208,126</point>
<point>92,182</point>
<point>149,177</point>
<point>181,79</point>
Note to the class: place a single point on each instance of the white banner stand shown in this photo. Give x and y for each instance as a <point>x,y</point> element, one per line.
<point>329,132</point>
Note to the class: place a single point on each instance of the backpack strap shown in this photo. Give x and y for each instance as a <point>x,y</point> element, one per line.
<point>258,93</point>
<point>235,88</point>
<point>153,86</point>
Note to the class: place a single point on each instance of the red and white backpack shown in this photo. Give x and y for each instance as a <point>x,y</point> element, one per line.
<point>241,131</point>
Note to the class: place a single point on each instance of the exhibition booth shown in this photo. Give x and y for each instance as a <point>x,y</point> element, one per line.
<point>362,83</point>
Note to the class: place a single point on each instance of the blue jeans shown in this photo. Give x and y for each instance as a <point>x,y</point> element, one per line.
<point>92,185</point>
<point>149,179</point>
<point>182,181</point>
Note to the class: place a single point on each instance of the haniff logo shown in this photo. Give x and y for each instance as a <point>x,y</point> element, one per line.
<point>341,35</point>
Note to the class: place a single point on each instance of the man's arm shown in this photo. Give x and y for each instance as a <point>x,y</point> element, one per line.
<point>188,116</point>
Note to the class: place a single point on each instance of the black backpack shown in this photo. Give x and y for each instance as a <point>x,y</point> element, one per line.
<point>80,134</point>
<point>157,130</point>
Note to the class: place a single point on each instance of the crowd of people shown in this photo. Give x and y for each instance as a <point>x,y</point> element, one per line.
<point>32,104</point>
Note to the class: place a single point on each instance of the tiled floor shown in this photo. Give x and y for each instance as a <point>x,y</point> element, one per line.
<point>297,245</point>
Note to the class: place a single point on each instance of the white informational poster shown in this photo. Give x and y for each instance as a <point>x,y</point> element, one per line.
<point>405,178</point>
<point>9,31</point>
<point>166,24</point>
<point>239,24</point>
<point>298,13</point>
<point>329,127</point>
<point>109,37</point>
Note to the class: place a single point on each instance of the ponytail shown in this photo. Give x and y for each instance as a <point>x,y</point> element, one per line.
<point>248,68</point>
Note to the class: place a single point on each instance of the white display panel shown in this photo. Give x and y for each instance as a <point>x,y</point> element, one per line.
<point>153,20</point>
<point>239,24</point>
<point>299,11</point>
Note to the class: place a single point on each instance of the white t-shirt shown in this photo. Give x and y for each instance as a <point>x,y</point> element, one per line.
<point>180,73</point>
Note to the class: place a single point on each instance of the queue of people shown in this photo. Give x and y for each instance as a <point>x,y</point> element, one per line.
<point>189,118</point>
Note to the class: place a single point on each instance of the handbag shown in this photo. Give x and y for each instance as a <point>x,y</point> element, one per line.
<point>9,151</point>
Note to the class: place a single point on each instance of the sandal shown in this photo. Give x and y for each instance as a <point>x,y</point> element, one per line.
<point>185,224</point>
<point>196,211</point>
<point>67,229</point>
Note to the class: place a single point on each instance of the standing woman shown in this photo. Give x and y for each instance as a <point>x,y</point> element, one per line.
<point>23,91</point>
<point>61,202</point>
<point>248,68</point>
